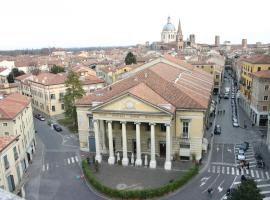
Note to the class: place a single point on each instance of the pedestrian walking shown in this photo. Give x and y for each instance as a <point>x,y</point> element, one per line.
<point>223,112</point>
<point>248,165</point>
<point>239,170</point>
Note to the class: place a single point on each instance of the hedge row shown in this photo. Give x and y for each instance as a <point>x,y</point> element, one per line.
<point>141,194</point>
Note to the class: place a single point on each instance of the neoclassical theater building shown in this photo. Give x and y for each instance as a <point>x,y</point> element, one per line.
<point>158,112</point>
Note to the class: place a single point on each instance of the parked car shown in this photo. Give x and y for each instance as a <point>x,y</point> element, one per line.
<point>57,127</point>
<point>244,146</point>
<point>217,130</point>
<point>226,96</point>
<point>241,155</point>
<point>40,117</point>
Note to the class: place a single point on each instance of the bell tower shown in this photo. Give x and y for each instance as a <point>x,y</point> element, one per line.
<point>179,38</point>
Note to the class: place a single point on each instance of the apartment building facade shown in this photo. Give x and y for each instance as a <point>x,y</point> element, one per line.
<point>16,119</point>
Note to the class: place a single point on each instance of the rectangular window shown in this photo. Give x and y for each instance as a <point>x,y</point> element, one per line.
<point>53,108</point>
<point>217,76</point>
<point>61,96</point>
<point>6,133</point>
<point>15,153</point>
<point>62,106</point>
<point>4,124</point>
<point>264,108</point>
<point>185,125</point>
<point>6,163</point>
<point>266,87</point>
<point>259,69</point>
<point>52,96</point>
<point>91,123</point>
<point>162,128</point>
<point>265,98</point>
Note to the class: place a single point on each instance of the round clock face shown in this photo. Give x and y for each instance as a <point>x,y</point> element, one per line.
<point>129,105</point>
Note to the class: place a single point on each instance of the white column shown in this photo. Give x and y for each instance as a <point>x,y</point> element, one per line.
<point>168,163</point>
<point>124,144</point>
<point>138,161</point>
<point>153,162</point>
<point>102,132</point>
<point>98,155</point>
<point>111,159</point>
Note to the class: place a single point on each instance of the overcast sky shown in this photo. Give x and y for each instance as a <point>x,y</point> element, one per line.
<point>85,23</point>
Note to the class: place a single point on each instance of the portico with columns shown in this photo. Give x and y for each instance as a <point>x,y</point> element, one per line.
<point>129,135</point>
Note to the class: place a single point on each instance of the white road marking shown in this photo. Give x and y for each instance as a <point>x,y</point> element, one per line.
<point>76,158</point>
<point>267,175</point>
<point>219,187</point>
<point>43,168</point>
<point>264,185</point>
<point>251,162</point>
<point>232,170</point>
<point>242,172</point>
<point>237,172</point>
<point>211,184</point>
<point>209,169</point>
<point>228,170</point>
<point>72,160</point>
<point>47,166</point>
<point>247,172</point>
<point>223,170</point>
<point>218,169</point>
<point>257,174</point>
<point>264,192</point>
<point>68,161</point>
<point>252,173</point>
<point>249,158</point>
<point>222,153</point>
<point>262,175</point>
<point>266,198</point>
<point>214,169</point>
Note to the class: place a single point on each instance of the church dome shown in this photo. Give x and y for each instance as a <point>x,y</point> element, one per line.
<point>169,26</point>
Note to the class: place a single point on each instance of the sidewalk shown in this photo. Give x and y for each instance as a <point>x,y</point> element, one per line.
<point>33,173</point>
<point>260,143</point>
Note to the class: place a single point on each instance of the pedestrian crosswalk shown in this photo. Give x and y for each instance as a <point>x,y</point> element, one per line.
<point>67,161</point>
<point>236,171</point>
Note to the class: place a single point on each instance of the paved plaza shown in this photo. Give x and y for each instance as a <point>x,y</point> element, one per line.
<point>120,177</point>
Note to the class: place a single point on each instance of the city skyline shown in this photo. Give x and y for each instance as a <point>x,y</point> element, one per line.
<point>39,24</point>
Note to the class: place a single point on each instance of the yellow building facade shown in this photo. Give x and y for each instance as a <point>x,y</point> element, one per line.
<point>147,116</point>
<point>247,67</point>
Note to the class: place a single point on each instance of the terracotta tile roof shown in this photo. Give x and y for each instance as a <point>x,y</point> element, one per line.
<point>166,84</point>
<point>262,74</point>
<point>12,105</point>
<point>8,85</point>
<point>6,140</point>
<point>23,77</point>
<point>88,80</point>
<point>81,68</point>
<point>47,78</point>
<point>259,59</point>
<point>2,69</point>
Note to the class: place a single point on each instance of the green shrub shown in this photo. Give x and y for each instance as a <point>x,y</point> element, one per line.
<point>141,194</point>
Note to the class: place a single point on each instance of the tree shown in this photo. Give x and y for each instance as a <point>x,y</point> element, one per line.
<point>57,69</point>
<point>14,73</point>
<point>246,191</point>
<point>130,59</point>
<point>74,91</point>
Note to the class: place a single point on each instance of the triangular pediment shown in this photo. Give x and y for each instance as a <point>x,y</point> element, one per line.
<point>129,103</point>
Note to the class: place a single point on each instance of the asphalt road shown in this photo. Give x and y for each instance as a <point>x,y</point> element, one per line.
<point>55,172</point>
<point>223,170</point>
